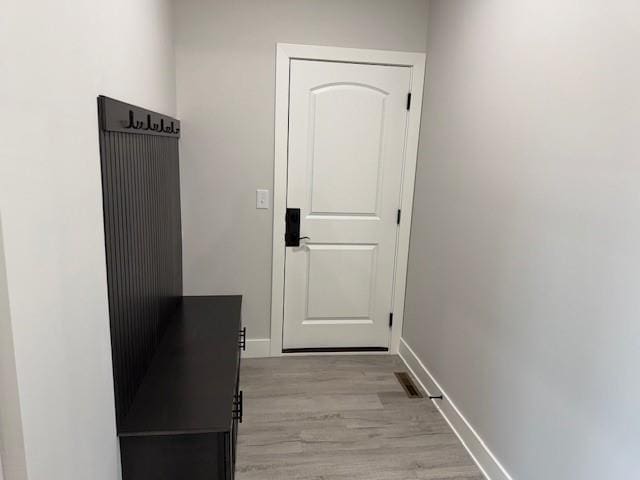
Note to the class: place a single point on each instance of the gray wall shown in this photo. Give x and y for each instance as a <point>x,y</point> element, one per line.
<point>225,52</point>
<point>12,457</point>
<point>524,282</point>
<point>55,58</point>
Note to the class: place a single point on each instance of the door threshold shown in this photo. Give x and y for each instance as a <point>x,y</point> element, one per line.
<point>334,349</point>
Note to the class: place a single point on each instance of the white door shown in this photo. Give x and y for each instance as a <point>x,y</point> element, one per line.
<point>347,128</point>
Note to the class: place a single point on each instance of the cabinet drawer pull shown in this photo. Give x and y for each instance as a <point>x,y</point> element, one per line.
<point>237,407</point>
<point>242,342</point>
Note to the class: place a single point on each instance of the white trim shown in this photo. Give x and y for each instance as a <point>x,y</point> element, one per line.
<point>479,451</point>
<point>257,348</point>
<point>284,53</point>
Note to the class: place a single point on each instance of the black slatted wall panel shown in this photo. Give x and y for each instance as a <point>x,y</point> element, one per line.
<point>141,197</point>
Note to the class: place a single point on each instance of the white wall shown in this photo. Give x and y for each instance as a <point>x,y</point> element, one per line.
<point>225,52</point>
<point>55,58</point>
<point>523,292</point>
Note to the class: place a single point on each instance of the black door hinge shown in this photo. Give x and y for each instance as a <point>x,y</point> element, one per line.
<point>390,320</point>
<point>409,101</point>
<point>398,217</point>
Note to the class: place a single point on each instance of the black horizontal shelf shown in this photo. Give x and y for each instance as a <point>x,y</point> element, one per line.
<point>117,116</point>
<point>190,384</point>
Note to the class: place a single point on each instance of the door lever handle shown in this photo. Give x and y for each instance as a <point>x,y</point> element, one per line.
<point>292,233</point>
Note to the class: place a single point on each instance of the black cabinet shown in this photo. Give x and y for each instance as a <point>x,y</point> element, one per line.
<point>176,360</point>
<point>183,422</point>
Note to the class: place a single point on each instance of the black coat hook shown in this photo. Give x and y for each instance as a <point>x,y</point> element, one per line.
<point>131,121</point>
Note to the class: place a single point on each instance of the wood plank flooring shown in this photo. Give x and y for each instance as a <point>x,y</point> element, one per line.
<point>341,418</point>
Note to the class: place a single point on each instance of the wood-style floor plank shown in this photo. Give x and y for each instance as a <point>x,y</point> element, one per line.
<point>341,418</point>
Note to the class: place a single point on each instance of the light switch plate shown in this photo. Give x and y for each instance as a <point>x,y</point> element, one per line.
<point>262,198</point>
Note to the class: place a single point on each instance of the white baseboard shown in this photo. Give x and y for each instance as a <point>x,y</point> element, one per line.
<point>484,458</point>
<point>257,348</point>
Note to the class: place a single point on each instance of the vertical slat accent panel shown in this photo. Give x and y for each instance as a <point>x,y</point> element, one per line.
<point>143,243</point>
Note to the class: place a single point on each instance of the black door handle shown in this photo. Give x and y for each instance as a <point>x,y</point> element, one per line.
<point>292,231</point>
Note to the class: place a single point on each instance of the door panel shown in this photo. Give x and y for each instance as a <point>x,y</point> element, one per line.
<point>347,125</point>
<point>341,283</point>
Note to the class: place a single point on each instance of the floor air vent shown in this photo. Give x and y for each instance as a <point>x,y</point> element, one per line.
<point>408,385</point>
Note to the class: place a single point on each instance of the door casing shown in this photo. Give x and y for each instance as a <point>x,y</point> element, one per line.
<point>284,54</point>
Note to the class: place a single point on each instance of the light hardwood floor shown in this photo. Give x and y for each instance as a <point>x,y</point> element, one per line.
<point>341,418</point>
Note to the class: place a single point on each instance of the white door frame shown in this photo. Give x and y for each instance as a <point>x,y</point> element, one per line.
<point>285,53</point>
